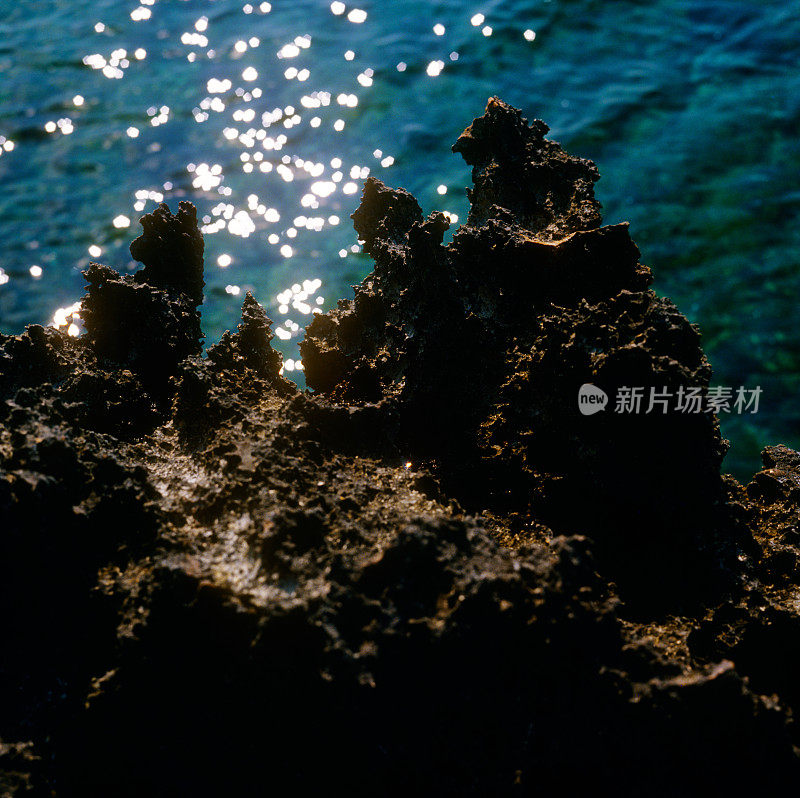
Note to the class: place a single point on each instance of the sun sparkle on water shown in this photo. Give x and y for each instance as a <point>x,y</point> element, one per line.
<point>299,189</point>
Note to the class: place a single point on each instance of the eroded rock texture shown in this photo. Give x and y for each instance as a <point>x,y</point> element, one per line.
<point>431,575</point>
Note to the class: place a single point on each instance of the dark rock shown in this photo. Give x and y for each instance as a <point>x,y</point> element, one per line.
<point>431,575</point>
<point>484,344</point>
<point>171,249</point>
<point>515,168</point>
<point>132,323</point>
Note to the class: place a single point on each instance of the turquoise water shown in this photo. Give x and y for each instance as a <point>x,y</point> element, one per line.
<point>269,116</point>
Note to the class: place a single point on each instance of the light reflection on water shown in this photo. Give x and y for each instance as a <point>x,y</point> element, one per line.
<point>237,99</point>
<point>245,132</point>
<point>268,116</point>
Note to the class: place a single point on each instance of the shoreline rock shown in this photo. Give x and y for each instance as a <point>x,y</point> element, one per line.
<point>431,574</point>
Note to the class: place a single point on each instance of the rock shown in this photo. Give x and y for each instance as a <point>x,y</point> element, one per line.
<point>483,346</point>
<point>171,248</point>
<point>515,168</point>
<point>433,574</point>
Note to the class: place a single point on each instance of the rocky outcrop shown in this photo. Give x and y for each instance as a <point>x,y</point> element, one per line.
<point>430,574</point>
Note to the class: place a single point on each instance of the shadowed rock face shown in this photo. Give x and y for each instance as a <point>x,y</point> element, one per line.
<point>432,574</point>
<point>482,346</point>
<point>514,167</point>
<point>150,319</point>
<point>171,249</point>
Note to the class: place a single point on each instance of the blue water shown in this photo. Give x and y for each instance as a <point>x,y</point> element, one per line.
<point>690,109</point>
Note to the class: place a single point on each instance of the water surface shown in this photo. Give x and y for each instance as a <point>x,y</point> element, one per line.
<point>268,116</point>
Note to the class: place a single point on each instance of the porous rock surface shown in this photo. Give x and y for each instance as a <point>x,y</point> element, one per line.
<point>431,575</point>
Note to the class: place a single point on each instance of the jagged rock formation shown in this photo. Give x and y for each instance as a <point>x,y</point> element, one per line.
<point>150,320</point>
<point>483,344</point>
<point>431,574</point>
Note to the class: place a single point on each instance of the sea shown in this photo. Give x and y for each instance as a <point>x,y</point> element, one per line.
<point>269,116</point>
